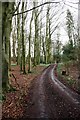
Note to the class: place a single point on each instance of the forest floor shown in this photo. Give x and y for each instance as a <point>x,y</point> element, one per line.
<point>13,105</point>
<point>36,96</point>
<point>70,80</point>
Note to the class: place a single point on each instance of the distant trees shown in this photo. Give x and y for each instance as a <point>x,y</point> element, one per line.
<point>69,49</point>
<point>70,26</point>
<point>58,48</point>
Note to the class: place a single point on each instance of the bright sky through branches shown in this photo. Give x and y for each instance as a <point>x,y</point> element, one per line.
<point>58,14</point>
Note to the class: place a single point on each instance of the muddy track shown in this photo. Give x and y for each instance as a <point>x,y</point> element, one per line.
<point>49,98</point>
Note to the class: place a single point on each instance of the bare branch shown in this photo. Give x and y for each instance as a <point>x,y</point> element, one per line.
<point>35,7</point>
<point>16,7</point>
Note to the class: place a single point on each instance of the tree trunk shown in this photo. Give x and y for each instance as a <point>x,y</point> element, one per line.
<point>44,52</point>
<point>21,63</point>
<point>35,44</point>
<point>23,46</point>
<point>49,47</point>
<point>18,39</point>
<point>4,71</point>
<point>6,30</point>
<point>36,39</point>
<point>14,55</point>
<point>46,38</point>
<point>9,56</point>
<point>29,59</point>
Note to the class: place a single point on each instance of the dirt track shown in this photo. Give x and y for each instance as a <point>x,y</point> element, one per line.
<point>49,100</point>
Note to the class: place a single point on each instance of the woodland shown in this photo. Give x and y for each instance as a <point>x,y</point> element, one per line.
<point>31,41</point>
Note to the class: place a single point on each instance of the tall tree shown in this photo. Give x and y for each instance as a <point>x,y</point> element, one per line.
<point>20,41</point>
<point>57,47</point>
<point>36,38</point>
<point>43,49</point>
<point>50,42</point>
<point>10,55</point>
<point>18,38</point>
<point>46,39</point>
<point>29,59</point>
<point>23,42</point>
<point>70,26</point>
<point>14,43</point>
<point>70,31</point>
<point>7,8</point>
<point>48,36</point>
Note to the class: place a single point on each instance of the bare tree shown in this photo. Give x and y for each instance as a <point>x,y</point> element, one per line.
<point>23,43</point>
<point>29,59</point>
<point>18,38</point>
<point>48,37</point>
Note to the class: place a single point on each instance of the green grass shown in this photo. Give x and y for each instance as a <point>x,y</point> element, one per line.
<point>68,79</point>
<point>13,64</point>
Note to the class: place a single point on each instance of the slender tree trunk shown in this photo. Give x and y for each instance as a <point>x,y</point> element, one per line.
<point>21,63</point>
<point>23,46</point>
<point>40,44</point>
<point>29,59</point>
<point>46,39</point>
<point>44,52</point>
<point>49,47</point>
<point>36,39</point>
<point>35,42</point>
<point>18,39</point>
<point>14,55</point>
<point>4,71</point>
<point>9,56</point>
